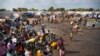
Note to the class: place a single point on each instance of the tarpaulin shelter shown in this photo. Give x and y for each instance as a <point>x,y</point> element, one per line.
<point>5,13</point>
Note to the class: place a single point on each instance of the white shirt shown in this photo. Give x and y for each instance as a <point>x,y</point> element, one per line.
<point>99,16</point>
<point>16,15</point>
<point>71,22</point>
<point>27,53</point>
<point>14,40</point>
<point>75,26</point>
<point>61,52</point>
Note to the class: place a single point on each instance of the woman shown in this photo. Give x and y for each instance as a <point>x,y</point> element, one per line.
<point>10,45</point>
<point>75,28</point>
<point>60,42</point>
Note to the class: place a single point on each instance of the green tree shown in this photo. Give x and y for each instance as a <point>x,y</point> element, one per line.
<point>44,10</point>
<point>57,9</point>
<point>91,9</point>
<point>19,9</point>
<point>72,9</point>
<point>97,9</point>
<point>80,9</point>
<point>15,10</point>
<point>22,9</point>
<point>51,9</point>
<point>33,9</point>
<point>1,10</point>
<point>62,9</point>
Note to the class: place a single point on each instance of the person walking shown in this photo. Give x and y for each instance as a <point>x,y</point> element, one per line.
<point>71,36</point>
<point>43,28</point>
<point>75,28</point>
<point>61,52</point>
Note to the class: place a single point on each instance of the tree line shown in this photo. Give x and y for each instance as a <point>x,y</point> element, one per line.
<point>53,9</point>
<point>74,9</point>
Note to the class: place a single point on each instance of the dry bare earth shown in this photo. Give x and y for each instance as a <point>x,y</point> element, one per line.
<point>85,43</point>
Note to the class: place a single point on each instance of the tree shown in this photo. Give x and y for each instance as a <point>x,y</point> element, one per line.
<point>91,9</point>
<point>97,9</point>
<point>62,9</point>
<point>22,9</point>
<point>44,10</point>
<point>19,9</point>
<point>15,10</point>
<point>67,10</point>
<point>2,10</point>
<point>80,9</point>
<point>51,9</point>
<point>86,10</point>
<point>72,9</point>
<point>57,9</point>
<point>33,9</point>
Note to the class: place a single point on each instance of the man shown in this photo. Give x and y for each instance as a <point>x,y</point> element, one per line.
<point>79,21</point>
<point>43,28</point>
<point>28,26</point>
<point>84,23</point>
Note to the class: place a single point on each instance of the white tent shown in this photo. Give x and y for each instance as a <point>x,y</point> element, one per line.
<point>38,13</point>
<point>16,15</point>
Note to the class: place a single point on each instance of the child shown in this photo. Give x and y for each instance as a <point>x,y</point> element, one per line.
<point>71,36</point>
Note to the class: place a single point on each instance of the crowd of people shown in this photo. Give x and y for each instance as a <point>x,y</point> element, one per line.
<point>18,38</point>
<point>53,17</point>
<point>76,26</point>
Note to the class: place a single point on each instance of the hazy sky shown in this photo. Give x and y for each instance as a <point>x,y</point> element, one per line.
<point>40,4</point>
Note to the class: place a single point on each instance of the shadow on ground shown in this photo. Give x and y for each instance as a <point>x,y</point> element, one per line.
<point>70,51</point>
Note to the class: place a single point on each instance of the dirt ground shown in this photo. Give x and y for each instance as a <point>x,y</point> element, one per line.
<point>85,43</point>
